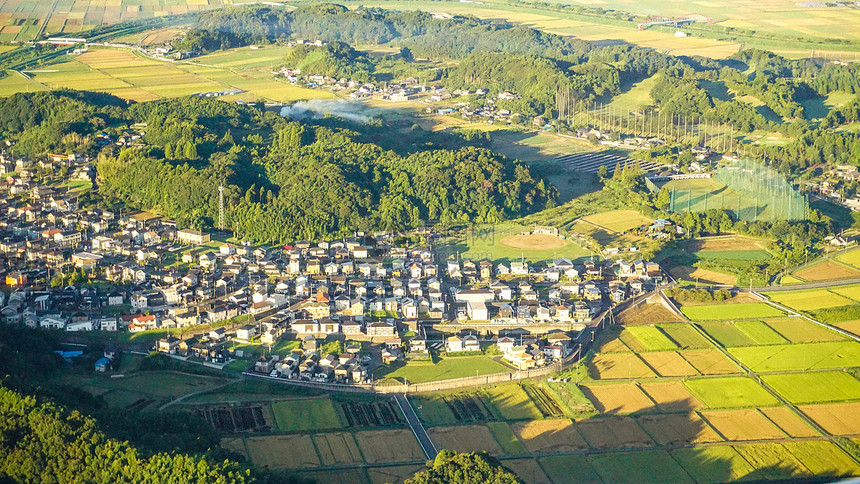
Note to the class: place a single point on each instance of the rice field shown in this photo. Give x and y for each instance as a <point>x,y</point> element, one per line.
<point>731,311</point>
<point>809,300</point>
<point>730,392</point>
<point>823,387</point>
<point>828,355</point>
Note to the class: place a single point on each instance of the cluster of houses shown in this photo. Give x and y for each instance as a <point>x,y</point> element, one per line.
<point>67,268</point>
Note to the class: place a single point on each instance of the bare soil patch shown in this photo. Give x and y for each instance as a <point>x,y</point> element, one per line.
<point>533,242</point>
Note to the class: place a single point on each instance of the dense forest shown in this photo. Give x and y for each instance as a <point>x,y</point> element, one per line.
<point>284,180</point>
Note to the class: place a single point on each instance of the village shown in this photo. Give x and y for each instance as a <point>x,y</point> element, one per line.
<point>350,305</point>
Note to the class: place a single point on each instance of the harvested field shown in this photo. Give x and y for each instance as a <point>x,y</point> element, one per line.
<point>648,313</point>
<point>744,424</point>
<point>702,275</point>
<point>727,334</point>
<point>825,271</point>
<point>570,469</point>
<point>710,362</point>
<point>725,243</point>
<point>668,363</point>
<point>397,445</point>
<point>651,338</point>
<point>513,403</point>
<point>818,387</point>
<point>283,451</point>
<point>618,399</point>
<point>618,365</point>
<point>772,462</point>
<point>528,470</point>
<point>806,300</point>
<point>506,438</point>
<point>713,465</point>
<point>850,326</point>
<point>465,438</point>
<point>844,354</point>
<point>799,330</point>
<point>618,220</point>
<point>685,336</point>
<point>387,474</point>
<point>823,458</point>
<point>677,428</point>
<point>533,242</point>
<point>760,333</point>
<point>613,433</point>
<point>337,448</point>
<point>671,396</point>
<point>836,418</point>
<point>549,436</point>
<point>654,466</point>
<point>731,311</point>
<point>790,423</point>
<point>730,392</point>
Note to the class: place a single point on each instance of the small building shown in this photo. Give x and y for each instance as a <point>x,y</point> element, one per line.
<point>192,237</point>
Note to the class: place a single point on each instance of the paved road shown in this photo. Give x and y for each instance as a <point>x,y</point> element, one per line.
<point>416,426</point>
<point>806,285</point>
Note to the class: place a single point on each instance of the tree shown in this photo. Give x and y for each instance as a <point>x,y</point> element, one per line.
<point>471,468</point>
<point>602,172</point>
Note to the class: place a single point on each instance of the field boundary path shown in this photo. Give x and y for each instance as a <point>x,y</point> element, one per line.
<point>198,392</point>
<point>417,427</point>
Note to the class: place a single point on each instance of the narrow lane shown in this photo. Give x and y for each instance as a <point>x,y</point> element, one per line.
<point>416,426</point>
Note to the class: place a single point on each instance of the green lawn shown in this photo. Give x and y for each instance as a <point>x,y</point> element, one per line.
<point>731,311</point>
<point>818,387</point>
<point>730,392</point>
<point>485,243</point>
<point>447,368</point>
<point>304,415</point>
<point>839,354</point>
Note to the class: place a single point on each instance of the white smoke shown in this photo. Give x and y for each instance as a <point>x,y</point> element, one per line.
<point>318,108</point>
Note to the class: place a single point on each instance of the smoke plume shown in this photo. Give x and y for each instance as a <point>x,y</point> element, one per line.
<point>318,108</point>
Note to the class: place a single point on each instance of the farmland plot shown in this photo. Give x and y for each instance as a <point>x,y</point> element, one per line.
<point>549,436</point>
<point>677,428</point>
<point>730,392</point>
<point>745,424</point>
<point>818,387</point>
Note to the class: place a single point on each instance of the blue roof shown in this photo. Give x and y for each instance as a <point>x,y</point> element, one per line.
<point>103,361</point>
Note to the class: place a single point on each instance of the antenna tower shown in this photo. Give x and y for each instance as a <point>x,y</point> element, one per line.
<point>221,207</point>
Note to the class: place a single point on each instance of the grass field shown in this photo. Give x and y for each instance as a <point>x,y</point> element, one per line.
<point>731,311</point>
<point>433,409</point>
<point>800,356</point>
<point>618,220</point>
<point>821,387</point>
<point>730,392</point>
<point>446,369</point>
<point>485,243</point>
<point>303,415</point>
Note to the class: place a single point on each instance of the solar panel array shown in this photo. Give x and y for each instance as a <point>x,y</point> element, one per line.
<point>591,162</point>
